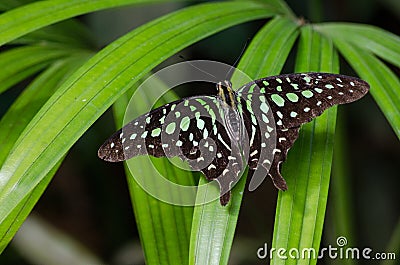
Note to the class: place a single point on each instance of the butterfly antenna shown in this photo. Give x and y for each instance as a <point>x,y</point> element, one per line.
<point>237,60</point>
<point>201,70</point>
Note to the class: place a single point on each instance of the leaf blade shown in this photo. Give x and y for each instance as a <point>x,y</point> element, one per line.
<point>300,210</point>
<point>24,19</point>
<point>12,125</point>
<point>376,40</point>
<point>19,63</point>
<point>385,85</point>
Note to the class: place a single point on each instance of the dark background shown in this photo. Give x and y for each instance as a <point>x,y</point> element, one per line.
<point>88,198</point>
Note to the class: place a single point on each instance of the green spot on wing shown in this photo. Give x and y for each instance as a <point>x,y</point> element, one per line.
<point>307,78</point>
<point>212,114</point>
<point>162,119</point>
<point>156,132</point>
<point>251,89</point>
<point>170,128</point>
<point>249,108</point>
<point>292,97</point>
<point>319,90</point>
<point>307,93</point>
<point>185,122</point>
<point>200,124</point>
<point>239,106</point>
<point>202,102</point>
<point>278,100</point>
<point>264,107</point>
<point>295,86</point>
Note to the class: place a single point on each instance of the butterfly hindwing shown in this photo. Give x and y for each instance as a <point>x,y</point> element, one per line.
<point>285,140</point>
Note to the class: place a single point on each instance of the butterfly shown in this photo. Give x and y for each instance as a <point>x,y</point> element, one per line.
<point>221,134</point>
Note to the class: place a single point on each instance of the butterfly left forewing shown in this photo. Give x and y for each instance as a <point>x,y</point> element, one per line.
<point>139,137</point>
<point>193,129</point>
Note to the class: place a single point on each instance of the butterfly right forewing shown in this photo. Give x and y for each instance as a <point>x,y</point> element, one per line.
<point>295,99</point>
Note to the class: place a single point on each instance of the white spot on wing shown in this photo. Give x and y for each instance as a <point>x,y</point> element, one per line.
<point>276,151</point>
<point>254,153</point>
<point>223,142</point>
<point>211,167</point>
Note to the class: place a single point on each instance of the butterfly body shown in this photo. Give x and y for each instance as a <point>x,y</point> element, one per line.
<point>221,134</point>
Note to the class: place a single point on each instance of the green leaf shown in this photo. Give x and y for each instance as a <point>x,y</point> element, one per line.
<point>300,210</point>
<point>341,207</point>
<point>366,37</point>
<point>274,43</point>
<point>281,7</point>
<point>385,85</point>
<point>17,216</point>
<point>19,21</point>
<point>213,225</point>
<point>14,122</point>
<point>96,85</point>
<point>65,34</point>
<point>31,100</point>
<point>393,246</point>
<point>10,4</point>
<point>19,63</point>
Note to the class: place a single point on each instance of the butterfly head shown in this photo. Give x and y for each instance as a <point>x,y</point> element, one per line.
<point>226,93</point>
